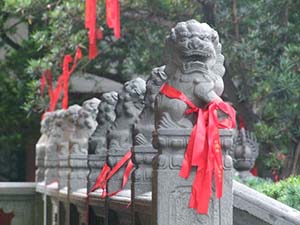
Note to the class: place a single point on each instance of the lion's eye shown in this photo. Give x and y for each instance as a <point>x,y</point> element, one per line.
<point>183,39</point>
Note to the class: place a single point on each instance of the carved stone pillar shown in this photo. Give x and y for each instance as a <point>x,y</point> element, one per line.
<point>55,210</point>
<point>47,125</point>
<point>142,176</point>
<point>40,159</point>
<point>143,152</point>
<point>98,141</point>
<point>99,207</point>
<point>85,124</point>
<point>171,193</point>
<point>53,145</point>
<point>244,153</point>
<point>120,139</point>
<point>51,163</point>
<point>190,98</point>
<point>78,172</point>
<point>64,218</point>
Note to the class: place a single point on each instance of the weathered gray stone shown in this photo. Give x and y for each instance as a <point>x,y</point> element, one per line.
<point>19,198</point>
<point>128,108</point>
<point>252,207</point>
<point>194,66</point>
<point>143,152</point>
<point>69,127</point>
<point>41,145</point>
<point>171,193</point>
<point>85,125</point>
<point>97,142</point>
<point>99,207</point>
<point>105,118</point>
<point>244,153</point>
<point>56,137</point>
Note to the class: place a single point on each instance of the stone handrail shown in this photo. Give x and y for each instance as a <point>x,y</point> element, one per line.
<point>19,198</point>
<point>252,207</point>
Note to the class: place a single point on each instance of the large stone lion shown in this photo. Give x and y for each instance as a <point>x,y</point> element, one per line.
<point>194,66</point>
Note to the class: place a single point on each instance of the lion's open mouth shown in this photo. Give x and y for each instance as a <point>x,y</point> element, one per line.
<point>195,61</point>
<point>196,56</point>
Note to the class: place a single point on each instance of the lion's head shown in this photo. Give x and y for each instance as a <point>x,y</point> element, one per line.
<point>107,108</point>
<point>194,46</point>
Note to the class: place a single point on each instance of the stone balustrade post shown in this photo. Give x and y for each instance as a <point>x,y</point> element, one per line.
<point>40,158</point>
<point>55,211</point>
<point>194,68</point>
<point>78,159</point>
<point>143,151</point>
<point>128,108</point>
<point>55,139</point>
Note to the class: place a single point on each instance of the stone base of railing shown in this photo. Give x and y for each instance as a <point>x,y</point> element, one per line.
<point>37,204</point>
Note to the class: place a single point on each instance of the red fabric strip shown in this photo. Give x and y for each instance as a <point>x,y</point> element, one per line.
<point>113,17</point>
<point>107,173</point>
<point>126,174</point>
<point>67,73</point>
<point>90,24</point>
<point>204,148</point>
<point>109,9</point>
<point>101,181</point>
<point>62,82</point>
<point>117,25</point>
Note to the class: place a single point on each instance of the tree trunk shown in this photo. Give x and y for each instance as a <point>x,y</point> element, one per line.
<point>209,11</point>
<point>296,159</point>
<point>235,20</point>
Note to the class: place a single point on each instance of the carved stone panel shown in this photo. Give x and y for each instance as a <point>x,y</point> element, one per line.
<point>171,193</point>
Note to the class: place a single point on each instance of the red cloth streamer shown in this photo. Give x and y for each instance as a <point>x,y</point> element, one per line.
<point>90,24</point>
<point>101,181</point>
<point>242,123</point>
<point>204,148</point>
<point>254,170</point>
<point>67,73</point>
<point>62,82</point>
<point>107,173</point>
<point>113,17</point>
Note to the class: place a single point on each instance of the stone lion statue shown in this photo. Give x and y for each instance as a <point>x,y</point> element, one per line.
<point>145,126</point>
<point>83,119</point>
<point>128,108</point>
<point>194,66</point>
<point>105,119</point>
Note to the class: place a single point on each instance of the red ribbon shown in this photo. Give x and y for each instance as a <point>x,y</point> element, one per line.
<point>101,181</point>
<point>204,148</point>
<point>62,82</point>
<point>107,173</point>
<point>113,17</point>
<point>90,24</point>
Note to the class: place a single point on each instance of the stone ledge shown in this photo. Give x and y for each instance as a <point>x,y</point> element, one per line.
<point>262,207</point>
<point>17,188</point>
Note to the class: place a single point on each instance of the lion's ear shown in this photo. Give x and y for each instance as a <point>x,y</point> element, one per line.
<point>172,35</point>
<point>214,37</point>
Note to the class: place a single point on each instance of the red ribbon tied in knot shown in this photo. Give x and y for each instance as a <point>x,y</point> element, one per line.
<point>204,148</point>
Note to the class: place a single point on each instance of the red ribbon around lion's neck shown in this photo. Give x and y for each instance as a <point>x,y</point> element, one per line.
<point>204,148</point>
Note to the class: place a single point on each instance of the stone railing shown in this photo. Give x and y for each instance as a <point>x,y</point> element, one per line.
<point>76,144</point>
<point>19,204</point>
<point>252,207</point>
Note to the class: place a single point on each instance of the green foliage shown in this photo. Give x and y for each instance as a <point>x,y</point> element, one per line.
<point>262,55</point>
<point>265,63</point>
<point>286,191</point>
